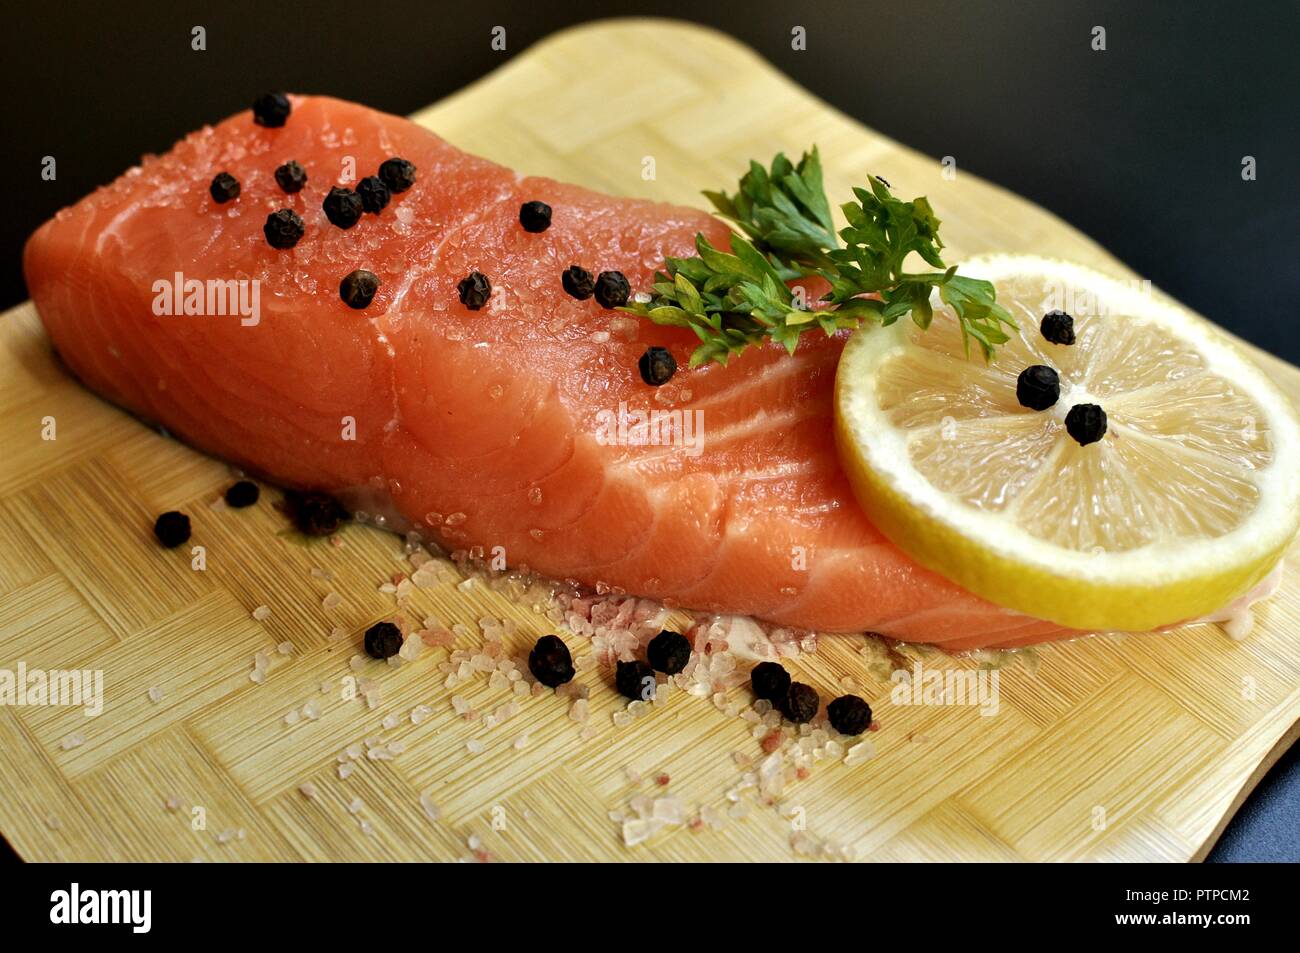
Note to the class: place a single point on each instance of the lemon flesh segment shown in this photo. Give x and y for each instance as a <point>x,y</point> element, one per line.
<point>1189,499</point>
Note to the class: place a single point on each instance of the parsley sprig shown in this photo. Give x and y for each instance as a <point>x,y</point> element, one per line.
<point>732,301</point>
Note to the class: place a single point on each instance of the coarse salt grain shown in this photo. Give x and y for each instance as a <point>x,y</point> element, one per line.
<point>431,810</point>
<point>155,694</point>
<point>331,601</point>
<point>285,648</point>
<point>638,830</point>
<point>261,613</point>
<point>859,752</point>
<point>670,810</point>
<point>308,790</point>
<point>355,805</point>
<point>474,746</point>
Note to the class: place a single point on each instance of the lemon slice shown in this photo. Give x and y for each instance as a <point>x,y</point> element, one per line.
<point>1188,500</point>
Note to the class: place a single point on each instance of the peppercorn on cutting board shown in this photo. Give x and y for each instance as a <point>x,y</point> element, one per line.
<point>1106,748</point>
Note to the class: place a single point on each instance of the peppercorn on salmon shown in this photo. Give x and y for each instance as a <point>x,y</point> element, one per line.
<point>524,423</point>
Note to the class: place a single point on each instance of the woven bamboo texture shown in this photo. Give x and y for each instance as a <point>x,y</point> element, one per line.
<point>1107,748</point>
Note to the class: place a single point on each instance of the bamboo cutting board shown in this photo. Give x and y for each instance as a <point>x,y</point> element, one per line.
<point>1106,748</point>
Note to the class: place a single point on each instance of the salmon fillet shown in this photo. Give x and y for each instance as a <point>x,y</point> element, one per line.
<point>481,428</point>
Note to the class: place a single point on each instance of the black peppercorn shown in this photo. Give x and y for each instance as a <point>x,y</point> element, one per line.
<point>374,194</point>
<point>535,216</point>
<point>383,640</point>
<point>316,514</point>
<point>849,715</point>
<point>657,366</point>
<point>1057,327</point>
<point>271,109</point>
<point>291,177</point>
<point>283,228</point>
<point>800,703</point>
<point>398,174</point>
<point>550,662</point>
<point>224,187</point>
<point>1086,423</point>
<point>668,652</point>
<point>1038,387</point>
<point>635,680</point>
<point>612,289</point>
<point>474,290</point>
<point>241,494</point>
<point>342,207</point>
<point>358,289</point>
<point>577,282</point>
<point>769,680</point>
<point>172,528</point>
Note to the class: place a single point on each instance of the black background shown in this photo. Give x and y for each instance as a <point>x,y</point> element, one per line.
<point>1086,897</point>
<point>1140,146</point>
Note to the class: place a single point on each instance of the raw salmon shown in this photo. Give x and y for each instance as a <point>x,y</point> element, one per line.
<point>497,427</point>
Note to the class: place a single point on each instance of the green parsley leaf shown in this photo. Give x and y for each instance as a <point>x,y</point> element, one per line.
<point>733,301</point>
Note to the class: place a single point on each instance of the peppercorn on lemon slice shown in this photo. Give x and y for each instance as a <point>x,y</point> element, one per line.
<point>1189,497</point>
